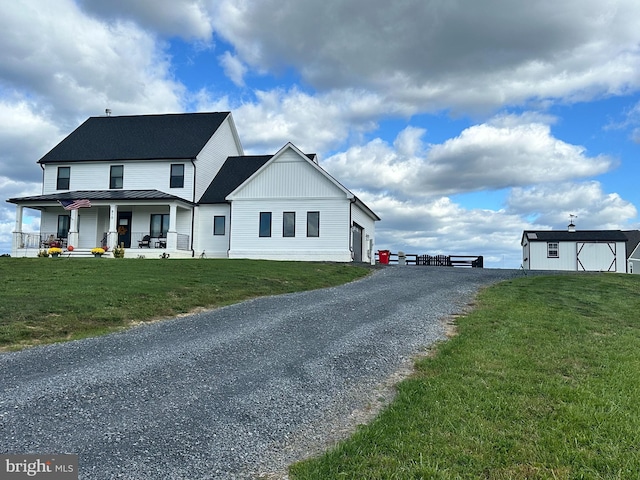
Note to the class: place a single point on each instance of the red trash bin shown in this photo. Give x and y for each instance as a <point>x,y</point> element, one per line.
<point>383,255</point>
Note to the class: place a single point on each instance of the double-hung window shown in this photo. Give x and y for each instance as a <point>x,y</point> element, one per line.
<point>313,224</point>
<point>177,176</point>
<point>552,250</point>
<point>218,225</point>
<point>64,222</point>
<point>289,224</point>
<point>117,176</point>
<point>265,224</point>
<point>64,176</point>
<point>159,225</point>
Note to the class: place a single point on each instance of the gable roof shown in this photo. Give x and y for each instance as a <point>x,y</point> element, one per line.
<point>577,236</point>
<point>634,240</point>
<point>232,174</point>
<point>137,137</point>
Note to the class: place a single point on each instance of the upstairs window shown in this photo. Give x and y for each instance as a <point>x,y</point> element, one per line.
<point>313,224</point>
<point>289,224</point>
<point>552,250</point>
<point>218,225</point>
<point>64,174</point>
<point>116,177</point>
<point>177,176</point>
<point>265,224</point>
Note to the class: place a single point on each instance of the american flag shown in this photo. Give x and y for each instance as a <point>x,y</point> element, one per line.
<point>74,204</point>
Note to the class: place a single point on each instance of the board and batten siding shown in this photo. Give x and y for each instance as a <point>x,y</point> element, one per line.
<point>137,175</point>
<point>221,145</point>
<point>331,245</point>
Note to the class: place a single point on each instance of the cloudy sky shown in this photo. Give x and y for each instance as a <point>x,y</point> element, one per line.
<point>460,122</point>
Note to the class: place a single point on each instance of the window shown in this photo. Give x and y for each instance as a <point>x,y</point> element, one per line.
<point>177,176</point>
<point>64,174</point>
<point>265,224</point>
<point>313,224</point>
<point>552,250</point>
<point>218,225</point>
<point>64,222</point>
<point>289,224</point>
<point>116,177</point>
<point>159,225</point>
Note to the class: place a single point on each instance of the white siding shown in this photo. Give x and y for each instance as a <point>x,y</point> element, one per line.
<point>214,246</point>
<point>331,245</point>
<point>600,257</point>
<point>593,257</point>
<point>209,161</point>
<point>145,175</point>
<point>289,176</point>
<point>367,223</point>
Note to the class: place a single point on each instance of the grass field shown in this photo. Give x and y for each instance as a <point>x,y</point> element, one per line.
<point>541,382</point>
<point>47,300</point>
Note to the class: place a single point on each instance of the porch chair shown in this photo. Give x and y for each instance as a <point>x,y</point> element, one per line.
<point>145,242</point>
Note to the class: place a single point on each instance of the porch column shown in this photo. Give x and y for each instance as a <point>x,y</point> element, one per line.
<point>172,234</point>
<point>72,239</point>
<point>17,232</point>
<point>112,236</point>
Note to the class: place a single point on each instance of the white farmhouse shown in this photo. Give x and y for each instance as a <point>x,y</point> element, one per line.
<point>576,250</point>
<point>180,184</point>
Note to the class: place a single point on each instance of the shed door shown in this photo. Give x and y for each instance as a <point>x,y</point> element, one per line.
<point>596,256</point>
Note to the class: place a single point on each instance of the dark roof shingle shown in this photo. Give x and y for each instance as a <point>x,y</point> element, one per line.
<point>578,235</point>
<point>137,137</point>
<point>94,195</point>
<point>233,173</point>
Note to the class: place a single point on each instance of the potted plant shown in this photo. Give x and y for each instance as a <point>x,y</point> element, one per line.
<point>97,252</point>
<point>118,252</point>
<point>43,253</point>
<point>55,252</point>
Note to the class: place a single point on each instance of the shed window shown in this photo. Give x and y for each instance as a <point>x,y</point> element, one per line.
<point>552,250</point>
<point>64,174</point>
<point>265,224</point>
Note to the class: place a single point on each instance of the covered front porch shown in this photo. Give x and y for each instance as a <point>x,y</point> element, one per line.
<point>145,227</point>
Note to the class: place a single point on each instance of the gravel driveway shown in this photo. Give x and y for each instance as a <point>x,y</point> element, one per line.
<point>230,393</point>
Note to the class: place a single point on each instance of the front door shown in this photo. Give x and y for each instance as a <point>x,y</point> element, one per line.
<point>124,229</point>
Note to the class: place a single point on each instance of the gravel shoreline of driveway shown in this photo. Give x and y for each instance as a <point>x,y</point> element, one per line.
<point>236,392</point>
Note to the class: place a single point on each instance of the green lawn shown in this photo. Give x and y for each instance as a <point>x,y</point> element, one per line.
<point>46,300</point>
<point>541,382</point>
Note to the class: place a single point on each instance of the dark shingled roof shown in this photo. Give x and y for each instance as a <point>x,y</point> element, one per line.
<point>94,195</point>
<point>233,173</point>
<point>137,137</point>
<point>578,235</point>
<point>634,240</point>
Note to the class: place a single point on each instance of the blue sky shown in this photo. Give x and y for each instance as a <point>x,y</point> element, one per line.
<point>460,123</point>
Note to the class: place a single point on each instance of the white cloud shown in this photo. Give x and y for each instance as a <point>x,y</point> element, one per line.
<point>552,204</point>
<point>188,19</point>
<point>233,68</point>
<point>76,66</point>
<point>505,152</point>
<point>461,55</point>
